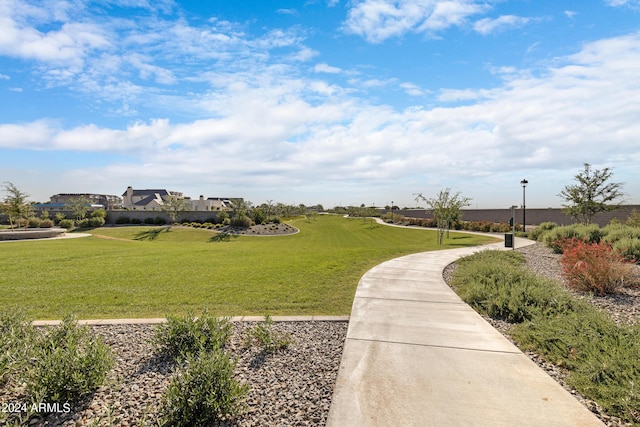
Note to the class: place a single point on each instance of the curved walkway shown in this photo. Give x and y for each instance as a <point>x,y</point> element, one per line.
<point>417,355</point>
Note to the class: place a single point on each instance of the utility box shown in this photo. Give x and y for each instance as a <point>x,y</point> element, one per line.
<point>508,240</point>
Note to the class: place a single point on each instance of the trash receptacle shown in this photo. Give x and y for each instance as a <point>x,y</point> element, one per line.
<point>508,240</point>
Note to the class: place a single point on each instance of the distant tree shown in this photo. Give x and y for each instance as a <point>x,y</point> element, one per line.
<point>173,206</point>
<point>79,206</point>
<point>446,209</point>
<point>592,194</point>
<point>15,204</point>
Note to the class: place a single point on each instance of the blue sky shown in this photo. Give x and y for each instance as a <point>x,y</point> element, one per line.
<point>324,101</point>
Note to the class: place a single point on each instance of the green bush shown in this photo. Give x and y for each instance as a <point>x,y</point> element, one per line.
<point>96,221</point>
<point>66,223</point>
<point>159,221</point>
<point>601,356</point>
<point>588,233</point>
<point>629,248</point>
<point>542,228</point>
<point>136,221</point>
<point>616,232</point>
<point>148,221</point>
<point>241,221</point>
<point>204,392</point>
<point>123,220</point>
<point>269,340</point>
<point>221,216</point>
<point>258,216</point>
<point>83,223</point>
<point>495,283</point>
<point>188,335</point>
<point>46,223</point>
<point>16,343</point>
<point>67,363</point>
<point>34,222</point>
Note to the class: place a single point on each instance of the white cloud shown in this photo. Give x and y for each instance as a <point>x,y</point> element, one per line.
<point>326,68</point>
<point>4,77</point>
<point>505,22</point>
<point>378,20</point>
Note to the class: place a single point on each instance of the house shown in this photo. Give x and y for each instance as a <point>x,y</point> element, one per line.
<point>146,199</point>
<point>154,200</point>
<point>209,204</point>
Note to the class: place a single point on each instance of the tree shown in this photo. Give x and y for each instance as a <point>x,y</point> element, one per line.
<point>446,209</point>
<point>592,194</point>
<point>173,206</point>
<point>79,206</point>
<point>15,204</point>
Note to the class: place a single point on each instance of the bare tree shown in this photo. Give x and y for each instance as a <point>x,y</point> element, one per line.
<point>592,194</point>
<point>446,209</point>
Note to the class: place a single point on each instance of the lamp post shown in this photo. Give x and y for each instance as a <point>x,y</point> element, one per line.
<point>524,183</point>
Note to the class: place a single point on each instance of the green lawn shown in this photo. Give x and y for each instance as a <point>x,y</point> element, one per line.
<point>151,272</point>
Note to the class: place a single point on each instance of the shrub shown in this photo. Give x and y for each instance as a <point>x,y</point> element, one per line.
<point>16,343</point>
<point>96,221</point>
<point>613,233</point>
<point>59,217</point>
<point>221,216</point>
<point>593,267</point>
<point>629,248</point>
<point>204,392</point>
<point>634,219</point>
<point>136,221</point>
<point>227,221</point>
<point>67,364</point>
<point>84,223</point>
<point>148,221</point>
<point>269,340</point>
<point>34,222</point>
<point>46,223</point>
<point>99,213</point>
<point>542,228</point>
<point>496,284</point>
<point>258,216</point>
<point>123,220</point>
<point>241,221</point>
<point>159,221</point>
<point>66,223</point>
<point>182,336</point>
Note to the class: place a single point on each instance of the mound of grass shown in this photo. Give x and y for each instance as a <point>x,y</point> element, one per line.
<point>129,272</point>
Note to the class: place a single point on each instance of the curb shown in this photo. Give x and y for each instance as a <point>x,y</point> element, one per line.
<point>157,320</point>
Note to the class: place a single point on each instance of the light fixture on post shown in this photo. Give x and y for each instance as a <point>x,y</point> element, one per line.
<point>524,183</point>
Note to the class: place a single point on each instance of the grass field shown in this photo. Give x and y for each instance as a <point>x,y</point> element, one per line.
<point>151,272</point>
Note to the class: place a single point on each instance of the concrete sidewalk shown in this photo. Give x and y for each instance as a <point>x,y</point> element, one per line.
<point>417,355</point>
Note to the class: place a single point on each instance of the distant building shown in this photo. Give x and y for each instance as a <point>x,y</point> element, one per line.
<point>62,201</point>
<point>146,199</point>
<point>154,200</point>
<point>209,204</point>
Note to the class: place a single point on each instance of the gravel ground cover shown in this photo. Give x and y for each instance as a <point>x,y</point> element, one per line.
<point>623,307</point>
<point>292,387</point>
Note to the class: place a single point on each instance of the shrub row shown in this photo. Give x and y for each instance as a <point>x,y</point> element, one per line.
<point>480,226</point>
<point>624,239</point>
<point>601,357</point>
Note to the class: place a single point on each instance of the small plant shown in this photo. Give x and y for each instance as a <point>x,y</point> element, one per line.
<point>183,336</point>
<point>263,335</point>
<point>16,343</point>
<point>67,363</point>
<point>593,267</point>
<point>66,223</point>
<point>46,223</point>
<point>96,221</point>
<point>204,392</point>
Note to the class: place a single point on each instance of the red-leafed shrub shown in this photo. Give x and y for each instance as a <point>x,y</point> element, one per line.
<point>593,267</point>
